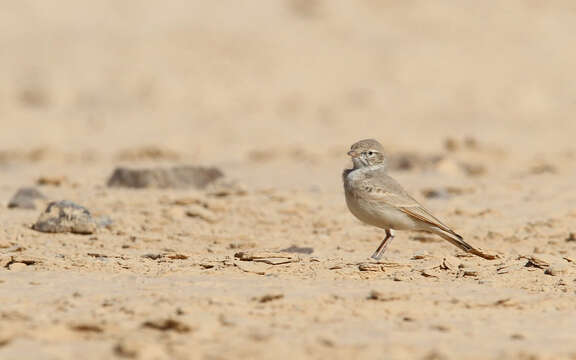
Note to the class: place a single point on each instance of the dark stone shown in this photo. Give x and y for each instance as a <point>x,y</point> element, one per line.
<point>152,256</point>
<point>298,250</point>
<point>164,178</point>
<point>436,193</point>
<point>25,198</point>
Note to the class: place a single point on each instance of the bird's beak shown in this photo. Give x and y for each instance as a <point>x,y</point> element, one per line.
<point>352,153</point>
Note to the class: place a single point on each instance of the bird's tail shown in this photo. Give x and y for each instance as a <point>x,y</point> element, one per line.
<point>457,241</point>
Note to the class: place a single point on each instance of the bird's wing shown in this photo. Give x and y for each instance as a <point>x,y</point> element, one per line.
<point>382,189</point>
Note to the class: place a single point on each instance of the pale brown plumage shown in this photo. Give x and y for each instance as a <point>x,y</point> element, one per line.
<point>377,199</point>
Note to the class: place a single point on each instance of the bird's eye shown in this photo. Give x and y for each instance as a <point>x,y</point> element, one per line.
<point>370,153</point>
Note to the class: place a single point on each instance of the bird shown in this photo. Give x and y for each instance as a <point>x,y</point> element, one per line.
<point>378,200</point>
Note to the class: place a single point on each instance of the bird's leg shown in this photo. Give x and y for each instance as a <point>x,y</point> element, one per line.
<point>383,245</point>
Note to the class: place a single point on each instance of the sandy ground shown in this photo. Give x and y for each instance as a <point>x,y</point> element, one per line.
<point>473,101</point>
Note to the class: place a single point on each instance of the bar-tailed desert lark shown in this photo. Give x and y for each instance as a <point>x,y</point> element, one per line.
<point>378,200</point>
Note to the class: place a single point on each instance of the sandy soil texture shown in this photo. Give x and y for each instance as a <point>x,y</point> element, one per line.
<point>473,101</point>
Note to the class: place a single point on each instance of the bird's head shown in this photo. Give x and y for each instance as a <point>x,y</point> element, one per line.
<point>367,152</point>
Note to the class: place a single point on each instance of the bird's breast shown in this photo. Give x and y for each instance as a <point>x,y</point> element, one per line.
<point>376,213</point>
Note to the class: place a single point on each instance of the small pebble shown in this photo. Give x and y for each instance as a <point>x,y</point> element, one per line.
<point>66,216</point>
<point>17,267</point>
<point>555,270</point>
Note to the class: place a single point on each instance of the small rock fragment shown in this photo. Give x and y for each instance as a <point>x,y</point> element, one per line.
<point>87,328</point>
<point>17,266</point>
<point>177,257</point>
<point>152,256</point>
<point>550,271</point>
<point>65,216</point>
<point>5,340</point>
<point>268,297</point>
<point>25,260</point>
<point>380,296</point>
<point>167,325</point>
<point>126,349</point>
<point>505,269</point>
<point>448,263</point>
<point>26,198</point>
<point>438,193</point>
<point>98,256</point>
<point>451,144</point>
<point>543,168</point>
<point>298,250</point>
<point>137,346</point>
<point>467,143</point>
<point>268,257</point>
<point>441,328</point>
<point>224,187</point>
<point>506,302</point>
<point>470,273</point>
<point>375,295</point>
<point>571,237</point>
<point>52,180</point>
<point>536,262</point>
<point>370,267</point>
<point>401,276</point>
<point>472,169</point>
<point>420,255</point>
<point>517,337</point>
<point>426,238</point>
<point>428,273</point>
<point>201,212</point>
<point>16,262</point>
<point>378,266</point>
<point>555,270</point>
<point>257,268</point>
<point>177,177</point>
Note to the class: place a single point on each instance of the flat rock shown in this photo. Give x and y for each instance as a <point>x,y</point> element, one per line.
<point>167,325</point>
<point>26,198</point>
<point>164,178</point>
<point>298,250</point>
<point>268,257</point>
<point>17,267</point>
<point>378,266</point>
<point>66,217</point>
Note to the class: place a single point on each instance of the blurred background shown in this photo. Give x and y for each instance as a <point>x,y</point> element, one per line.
<point>233,80</point>
<point>473,100</point>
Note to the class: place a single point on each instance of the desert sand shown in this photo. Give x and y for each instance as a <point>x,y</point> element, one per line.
<point>473,101</point>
